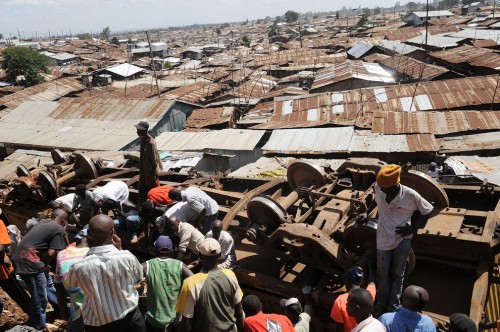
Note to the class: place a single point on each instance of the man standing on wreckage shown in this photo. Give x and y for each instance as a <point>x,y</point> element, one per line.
<point>401,212</point>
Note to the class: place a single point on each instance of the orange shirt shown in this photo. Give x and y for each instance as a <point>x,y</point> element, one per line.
<point>339,311</point>
<point>4,240</point>
<point>159,195</point>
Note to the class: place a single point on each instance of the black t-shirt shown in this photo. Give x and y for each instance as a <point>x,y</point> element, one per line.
<point>29,254</point>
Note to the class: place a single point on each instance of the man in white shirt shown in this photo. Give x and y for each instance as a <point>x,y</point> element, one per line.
<point>181,211</point>
<point>113,190</point>
<point>107,276</point>
<point>359,305</point>
<point>401,212</point>
<point>205,207</point>
<point>227,258</point>
<point>189,236</point>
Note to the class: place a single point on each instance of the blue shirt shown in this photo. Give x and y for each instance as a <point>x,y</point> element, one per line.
<point>404,320</point>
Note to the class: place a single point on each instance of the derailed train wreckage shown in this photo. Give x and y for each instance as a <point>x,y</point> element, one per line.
<point>304,230</point>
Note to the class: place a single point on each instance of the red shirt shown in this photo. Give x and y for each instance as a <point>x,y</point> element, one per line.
<point>258,323</point>
<point>159,195</point>
<point>339,311</point>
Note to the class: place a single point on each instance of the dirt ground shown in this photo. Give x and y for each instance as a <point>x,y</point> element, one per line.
<point>13,315</point>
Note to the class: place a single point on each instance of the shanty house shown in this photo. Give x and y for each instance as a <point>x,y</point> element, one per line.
<point>418,18</point>
<point>472,8</point>
<point>192,53</point>
<point>89,123</point>
<point>60,59</point>
<point>124,71</point>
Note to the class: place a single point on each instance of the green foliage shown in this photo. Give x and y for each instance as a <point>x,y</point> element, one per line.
<point>411,6</point>
<point>377,11</point>
<point>25,61</point>
<point>367,11</point>
<point>115,41</point>
<point>167,65</point>
<point>315,16</point>
<point>362,21</point>
<point>274,30</point>
<point>246,40</point>
<point>218,31</point>
<point>291,16</point>
<point>337,15</point>
<point>85,35</point>
<point>1,36</point>
<point>105,33</point>
<point>130,41</point>
<point>277,19</point>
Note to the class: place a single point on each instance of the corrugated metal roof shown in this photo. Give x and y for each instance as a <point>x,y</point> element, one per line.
<point>413,68</point>
<point>365,141</point>
<point>351,69</point>
<point>43,92</point>
<point>86,123</point>
<point>398,47</point>
<point>478,34</point>
<point>360,49</point>
<point>125,70</point>
<point>195,92</point>
<point>403,34</point>
<point>204,117</point>
<point>433,13</point>
<point>309,141</point>
<point>476,142</point>
<point>439,41</point>
<point>439,123</point>
<point>226,139</point>
<point>483,168</point>
<point>475,56</point>
<point>357,106</point>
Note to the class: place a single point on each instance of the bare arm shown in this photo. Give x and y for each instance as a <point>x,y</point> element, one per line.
<point>186,272</point>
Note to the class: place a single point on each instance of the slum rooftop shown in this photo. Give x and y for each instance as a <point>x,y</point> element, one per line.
<point>321,85</point>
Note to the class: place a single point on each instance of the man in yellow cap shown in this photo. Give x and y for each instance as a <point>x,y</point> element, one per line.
<point>401,211</point>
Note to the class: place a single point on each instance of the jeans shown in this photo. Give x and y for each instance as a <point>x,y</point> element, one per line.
<point>37,287</point>
<point>207,223</point>
<point>128,224</point>
<point>51,292</point>
<point>391,266</point>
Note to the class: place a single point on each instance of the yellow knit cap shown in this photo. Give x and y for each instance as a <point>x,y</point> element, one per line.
<point>388,176</point>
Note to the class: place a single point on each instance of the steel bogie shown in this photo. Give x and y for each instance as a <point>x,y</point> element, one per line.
<point>305,174</point>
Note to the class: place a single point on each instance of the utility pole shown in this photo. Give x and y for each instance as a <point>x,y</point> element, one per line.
<point>18,34</point>
<point>426,31</point>
<point>153,64</point>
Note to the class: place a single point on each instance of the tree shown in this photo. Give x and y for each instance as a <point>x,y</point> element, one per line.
<point>315,16</point>
<point>24,61</point>
<point>367,11</point>
<point>377,11</point>
<point>105,33</point>
<point>85,35</point>
<point>411,6</point>
<point>337,16</point>
<point>115,41</point>
<point>246,40</point>
<point>362,21</point>
<point>1,36</point>
<point>274,30</point>
<point>277,19</point>
<point>218,31</point>
<point>291,16</point>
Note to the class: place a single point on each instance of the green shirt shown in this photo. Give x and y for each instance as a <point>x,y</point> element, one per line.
<point>164,278</point>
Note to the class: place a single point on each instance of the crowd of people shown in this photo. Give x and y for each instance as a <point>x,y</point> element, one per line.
<point>190,285</point>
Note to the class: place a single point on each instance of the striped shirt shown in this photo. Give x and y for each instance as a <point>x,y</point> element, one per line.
<point>107,277</point>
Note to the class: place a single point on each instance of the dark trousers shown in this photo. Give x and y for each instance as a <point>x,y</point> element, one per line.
<point>133,322</point>
<point>151,328</point>
<point>146,183</point>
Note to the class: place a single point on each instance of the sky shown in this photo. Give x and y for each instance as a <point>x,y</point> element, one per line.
<point>37,17</point>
